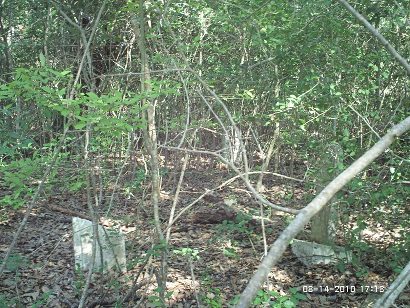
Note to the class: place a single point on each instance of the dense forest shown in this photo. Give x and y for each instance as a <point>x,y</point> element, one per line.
<point>200,153</point>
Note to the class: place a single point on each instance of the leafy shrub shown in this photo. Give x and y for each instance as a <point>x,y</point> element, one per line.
<point>19,177</point>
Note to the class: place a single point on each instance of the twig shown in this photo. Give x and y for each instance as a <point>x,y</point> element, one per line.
<point>94,223</point>
<point>86,158</point>
<point>191,268</point>
<point>168,70</point>
<point>176,197</point>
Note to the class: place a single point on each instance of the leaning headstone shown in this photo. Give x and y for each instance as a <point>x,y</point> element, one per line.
<point>110,249</point>
<point>310,253</point>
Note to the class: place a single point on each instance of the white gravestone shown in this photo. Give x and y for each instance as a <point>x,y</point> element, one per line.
<point>110,254</point>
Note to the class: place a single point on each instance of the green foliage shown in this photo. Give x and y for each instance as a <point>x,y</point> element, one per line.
<point>381,206</point>
<point>359,248</point>
<point>230,252</point>
<point>41,302</point>
<point>43,85</point>
<point>98,107</point>
<point>15,262</point>
<point>156,301</point>
<point>78,183</point>
<point>212,298</point>
<point>274,299</point>
<point>157,249</point>
<point>37,88</point>
<point>79,281</point>
<point>187,252</point>
<point>46,88</point>
<point>232,229</point>
<point>19,177</point>
<point>136,185</point>
<point>304,65</point>
<point>140,177</point>
<point>6,303</point>
<point>239,226</point>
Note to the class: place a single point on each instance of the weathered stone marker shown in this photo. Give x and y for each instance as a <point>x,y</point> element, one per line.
<point>322,249</point>
<point>313,253</point>
<point>110,249</point>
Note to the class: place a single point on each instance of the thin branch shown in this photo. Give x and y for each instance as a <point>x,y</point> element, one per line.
<point>243,176</point>
<point>227,182</point>
<point>150,138</point>
<point>217,98</point>
<point>167,70</point>
<point>87,44</point>
<point>188,109</point>
<point>228,114</point>
<point>95,235</point>
<point>364,119</point>
<point>115,186</point>
<point>176,198</point>
<point>53,160</point>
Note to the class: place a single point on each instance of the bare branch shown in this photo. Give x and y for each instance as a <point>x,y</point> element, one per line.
<point>243,176</point>
<point>209,191</point>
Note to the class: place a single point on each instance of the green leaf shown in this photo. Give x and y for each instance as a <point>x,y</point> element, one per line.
<point>289,304</point>
<point>300,296</point>
<point>92,96</point>
<point>64,73</point>
<point>80,125</point>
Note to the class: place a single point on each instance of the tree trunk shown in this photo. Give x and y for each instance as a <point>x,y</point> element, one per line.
<point>265,165</point>
<point>324,224</point>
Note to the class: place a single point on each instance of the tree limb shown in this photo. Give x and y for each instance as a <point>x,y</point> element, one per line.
<point>304,216</point>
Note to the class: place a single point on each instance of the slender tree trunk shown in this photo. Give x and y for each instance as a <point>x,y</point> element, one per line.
<point>8,60</point>
<point>388,297</point>
<point>150,135</point>
<point>265,165</point>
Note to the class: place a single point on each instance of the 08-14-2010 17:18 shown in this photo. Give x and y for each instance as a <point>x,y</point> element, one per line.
<point>344,289</point>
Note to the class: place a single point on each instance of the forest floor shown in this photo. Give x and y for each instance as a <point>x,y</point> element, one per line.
<point>41,272</point>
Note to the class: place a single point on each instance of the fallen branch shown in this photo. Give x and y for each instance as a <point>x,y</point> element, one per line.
<point>68,212</point>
